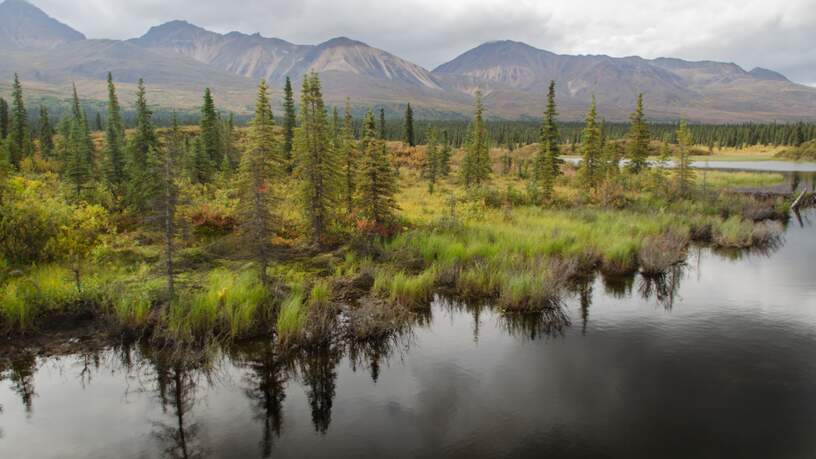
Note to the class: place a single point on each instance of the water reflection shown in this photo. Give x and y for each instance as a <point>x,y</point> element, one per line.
<point>21,375</point>
<point>663,287</point>
<point>176,378</point>
<point>266,387</point>
<point>549,323</point>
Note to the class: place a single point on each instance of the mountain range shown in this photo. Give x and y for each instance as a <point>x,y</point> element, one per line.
<point>178,60</point>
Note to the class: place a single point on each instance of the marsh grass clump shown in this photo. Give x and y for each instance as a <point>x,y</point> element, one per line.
<point>766,233</point>
<point>375,319</point>
<point>658,253</point>
<point>291,317</point>
<point>321,313</point>
<point>479,280</point>
<point>538,287</point>
<point>734,232</point>
<point>228,306</point>
<point>45,291</point>
<point>405,289</point>
<point>307,315</point>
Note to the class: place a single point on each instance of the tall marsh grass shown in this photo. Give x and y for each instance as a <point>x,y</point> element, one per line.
<point>229,305</point>
<point>46,290</point>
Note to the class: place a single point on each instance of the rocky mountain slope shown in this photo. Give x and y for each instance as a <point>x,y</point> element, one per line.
<point>178,60</point>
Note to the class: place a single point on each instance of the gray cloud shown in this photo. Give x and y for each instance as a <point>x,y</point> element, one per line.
<point>776,34</point>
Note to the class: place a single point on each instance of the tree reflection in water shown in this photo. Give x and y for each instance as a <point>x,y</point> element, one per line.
<point>21,375</point>
<point>266,384</point>
<point>318,371</point>
<point>177,375</point>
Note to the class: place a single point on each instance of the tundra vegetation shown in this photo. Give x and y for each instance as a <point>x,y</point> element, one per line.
<point>318,226</point>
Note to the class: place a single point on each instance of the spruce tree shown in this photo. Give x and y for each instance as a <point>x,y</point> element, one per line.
<point>590,150</point>
<point>18,137</point>
<point>684,174</point>
<point>476,167</point>
<point>4,119</point>
<point>260,166</point>
<point>408,135</point>
<point>317,163</point>
<point>662,166</point>
<point>98,126</point>
<point>507,159</point>
<point>78,161</point>
<point>548,162</point>
<point>431,165</point>
<point>289,121</point>
<point>378,181</point>
<point>638,140</point>
<point>382,124</point>
<point>209,134</point>
<point>114,162</point>
<point>230,155</point>
<point>349,158</point>
<point>141,163</point>
<point>200,166</point>
<point>167,199</point>
<point>46,134</point>
<point>445,155</point>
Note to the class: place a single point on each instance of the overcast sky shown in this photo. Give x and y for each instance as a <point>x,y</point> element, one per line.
<point>776,34</point>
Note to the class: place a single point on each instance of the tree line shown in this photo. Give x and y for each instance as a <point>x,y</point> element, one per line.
<point>342,180</point>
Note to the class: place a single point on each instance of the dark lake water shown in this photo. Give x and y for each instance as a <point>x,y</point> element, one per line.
<point>717,359</point>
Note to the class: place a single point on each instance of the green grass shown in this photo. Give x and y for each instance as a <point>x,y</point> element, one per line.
<point>228,305</point>
<point>45,290</point>
<point>738,179</point>
<point>405,289</point>
<point>734,232</point>
<point>292,316</point>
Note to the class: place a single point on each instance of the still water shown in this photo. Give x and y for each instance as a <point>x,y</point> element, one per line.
<point>717,359</point>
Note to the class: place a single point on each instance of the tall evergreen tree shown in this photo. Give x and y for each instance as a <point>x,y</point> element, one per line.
<point>382,124</point>
<point>408,135</point>
<point>289,121</point>
<point>114,162</point>
<point>476,167</point>
<point>167,199</point>
<point>230,156</point>
<point>200,167</point>
<point>209,134</point>
<point>141,163</point>
<point>18,137</point>
<point>46,134</point>
<point>431,165</point>
<point>507,159</point>
<point>261,164</point>
<point>78,165</point>
<point>638,140</point>
<point>99,127</point>
<point>662,167</point>
<point>349,158</point>
<point>684,174</point>
<point>378,181</point>
<point>4,119</point>
<point>548,162</point>
<point>445,155</point>
<point>590,150</point>
<point>318,166</point>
